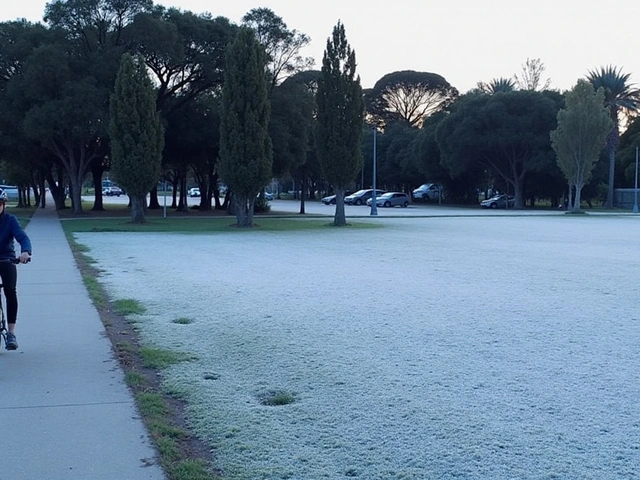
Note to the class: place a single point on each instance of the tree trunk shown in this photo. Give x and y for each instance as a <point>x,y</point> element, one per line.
<point>75,192</point>
<point>340,219</point>
<point>576,200</point>
<point>153,199</point>
<point>96,172</point>
<point>244,205</point>
<point>137,209</point>
<point>613,139</point>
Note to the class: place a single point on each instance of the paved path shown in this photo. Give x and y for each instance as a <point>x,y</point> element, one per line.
<point>65,412</point>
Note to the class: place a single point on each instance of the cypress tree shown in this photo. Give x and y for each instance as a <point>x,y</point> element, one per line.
<point>245,145</point>
<point>137,135</point>
<point>340,116</point>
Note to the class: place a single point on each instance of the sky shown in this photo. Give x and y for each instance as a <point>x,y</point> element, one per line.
<point>465,41</point>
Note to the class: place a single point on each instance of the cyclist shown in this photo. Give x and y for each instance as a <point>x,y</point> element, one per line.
<point>11,230</point>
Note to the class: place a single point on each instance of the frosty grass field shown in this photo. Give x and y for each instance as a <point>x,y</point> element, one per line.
<point>432,348</point>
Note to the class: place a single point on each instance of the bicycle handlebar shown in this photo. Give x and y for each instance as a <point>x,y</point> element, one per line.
<point>13,260</point>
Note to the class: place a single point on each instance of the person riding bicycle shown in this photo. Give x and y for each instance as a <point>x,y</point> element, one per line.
<point>11,230</point>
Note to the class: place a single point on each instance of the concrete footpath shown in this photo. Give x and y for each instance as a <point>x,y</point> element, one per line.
<point>65,411</point>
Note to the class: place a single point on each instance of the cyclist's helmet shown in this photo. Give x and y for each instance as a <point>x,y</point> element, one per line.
<point>3,196</point>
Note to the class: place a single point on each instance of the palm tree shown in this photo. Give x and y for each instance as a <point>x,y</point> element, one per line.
<point>620,97</point>
<point>496,85</point>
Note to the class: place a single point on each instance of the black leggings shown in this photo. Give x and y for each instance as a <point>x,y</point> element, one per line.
<point>9,276</point>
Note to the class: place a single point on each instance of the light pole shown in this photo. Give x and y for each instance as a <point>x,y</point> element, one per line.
<point>635,193</point>
<point>374,204</point>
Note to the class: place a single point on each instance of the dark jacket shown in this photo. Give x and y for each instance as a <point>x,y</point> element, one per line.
<point>10,229</point>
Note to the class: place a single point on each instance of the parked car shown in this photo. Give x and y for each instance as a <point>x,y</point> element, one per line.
<point>391,199</point>
<point>112,191</point>
<point>499,201</point>
<point>267,196</point>
<point>361,196</point>
<point>194,192</point>
<point>331,199</point>
<point>426,191</point>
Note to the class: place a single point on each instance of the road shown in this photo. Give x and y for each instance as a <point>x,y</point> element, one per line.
<point>318,208</point>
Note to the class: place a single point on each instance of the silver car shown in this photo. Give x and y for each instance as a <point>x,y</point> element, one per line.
<point>391,199</point>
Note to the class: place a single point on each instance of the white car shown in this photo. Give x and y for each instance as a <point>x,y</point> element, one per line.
<point>112,191</point>
<point>391,199</point>
<point>426,191</point>
<point>194,192</point>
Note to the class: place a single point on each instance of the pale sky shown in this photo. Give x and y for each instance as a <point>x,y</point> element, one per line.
<point>465,41</point>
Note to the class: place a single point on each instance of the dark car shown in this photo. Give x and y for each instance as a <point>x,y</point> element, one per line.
<point>361,196</point>
<point>499,201</point>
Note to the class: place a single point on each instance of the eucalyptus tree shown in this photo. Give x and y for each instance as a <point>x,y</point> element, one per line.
<point>19,155</point>
<point>340,117</point>
<point>245,145</point>
<point>185,53</point>
<point>531,76</point>
<point>137,136</point>
<point>282,45</point>
<point>98,32</point>
<point>621,98</point>
<point>582,128</point>
<point>505,133</point>
<point>408,95</point>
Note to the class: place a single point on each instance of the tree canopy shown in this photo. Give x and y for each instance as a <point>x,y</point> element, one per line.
<point>409,95</point>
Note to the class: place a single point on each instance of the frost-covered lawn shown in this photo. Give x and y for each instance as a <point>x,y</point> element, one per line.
<point>474,348</point>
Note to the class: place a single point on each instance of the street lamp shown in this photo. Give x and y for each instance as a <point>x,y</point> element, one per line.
<point>374,203</point>
<point>635,193</point>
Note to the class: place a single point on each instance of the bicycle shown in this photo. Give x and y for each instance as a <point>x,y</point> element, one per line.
<point>3,320</point>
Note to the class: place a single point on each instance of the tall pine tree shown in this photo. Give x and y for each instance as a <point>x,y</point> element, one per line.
<point>246,158</point>
<point>340,115</point>
<point>137,136</point>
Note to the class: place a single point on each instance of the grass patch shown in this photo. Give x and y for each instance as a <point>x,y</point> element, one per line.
<point>190,470</point>
<point>204,225</point>
<point>135,379</point>
<point>96,293</point>
<point>158,359</point>
<point>128,306</point>
<point>183,321</point>
<point>276,398</point>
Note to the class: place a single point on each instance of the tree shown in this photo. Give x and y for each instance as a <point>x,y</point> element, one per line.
<point>408,95</point>
<point>531,76</point>
<point>245,146</point>
<point>282,46</point>
<point>340,117</point>
<point>620,98</point>
<point>496,85</point>
<point>506,134</point>
<point>583,126</point>
<point>137,136</point>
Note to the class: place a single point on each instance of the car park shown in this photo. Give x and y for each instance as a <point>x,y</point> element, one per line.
<point>361,196</point>
<point>391,199</point>
<point>426,191</point>
<point>112,191</point>
<point>499,201</point>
